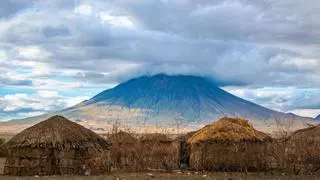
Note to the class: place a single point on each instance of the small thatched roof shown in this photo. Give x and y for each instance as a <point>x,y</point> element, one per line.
<point>122,138</point>
<point>57,132</point>
<point>312,132</point>
<point>156,137</point>
<point>228,130</point>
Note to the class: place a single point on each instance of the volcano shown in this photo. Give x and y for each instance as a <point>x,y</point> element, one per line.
<point>167,101</point>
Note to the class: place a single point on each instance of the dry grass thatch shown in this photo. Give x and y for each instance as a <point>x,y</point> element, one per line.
<point>310,133</point>
<point>55,146</point>
<point>228,130</point>
<point>155,138</point>
<point>57,132</point>
<point>230,144</point>
<point>122,138</point>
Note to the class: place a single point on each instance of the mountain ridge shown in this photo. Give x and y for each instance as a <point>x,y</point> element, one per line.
<point>167,100</point>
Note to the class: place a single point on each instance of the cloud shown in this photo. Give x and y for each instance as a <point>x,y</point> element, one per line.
<point>83,9</point>
<point>161,44</point>
<point>298,100</point>
<point>6,81</point>
<point>123,21</point>
<point>36,103</point>
<point>32,53</point>
<point>89,44</point>
<point>51,31</point>
<point>10,7</point>
<point>313,113</point>
<point>242,20</point>
<point>48,94</point>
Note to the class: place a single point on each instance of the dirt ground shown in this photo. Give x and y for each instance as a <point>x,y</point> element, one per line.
<point>167,176</point>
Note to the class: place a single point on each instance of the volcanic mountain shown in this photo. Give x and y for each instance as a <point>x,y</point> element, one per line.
<point>166,101</point>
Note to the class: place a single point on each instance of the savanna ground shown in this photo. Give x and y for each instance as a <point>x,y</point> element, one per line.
<point>165,176</point>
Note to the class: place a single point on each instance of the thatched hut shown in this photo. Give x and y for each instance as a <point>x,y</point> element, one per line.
<point>302,153</point>
<point>56,146</point>
<point>230,144</point>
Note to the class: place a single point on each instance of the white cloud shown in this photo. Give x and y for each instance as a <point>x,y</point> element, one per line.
<point>83,9</point>
<point>13,102</point>
<point>38,102</point>
<point>48,94</point>
<point>3,56</point>
<point>75,100</point>
<point>33,52</point>
<point>261,46</point>
<point>30,114</point>
<point>301,101</point>
<point>49,84</point>
<point>15,96</point>
<point>122,21</point>
<point>307,112</point>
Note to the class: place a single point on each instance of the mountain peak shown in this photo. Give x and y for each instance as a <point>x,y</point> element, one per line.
<point>158,88</point>
<point>169,101</point>
<point>192,98</point>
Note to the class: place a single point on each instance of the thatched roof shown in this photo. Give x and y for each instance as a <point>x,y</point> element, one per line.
<point>57,132</point>
<point>307,133</point>
<point>228,130</point>
<point>156,137</point>
<point>123,138</point>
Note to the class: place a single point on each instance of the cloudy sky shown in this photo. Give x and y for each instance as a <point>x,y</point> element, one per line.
<point>56,53</point>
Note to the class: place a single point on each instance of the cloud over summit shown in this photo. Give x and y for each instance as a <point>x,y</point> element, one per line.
<point>97,44</point>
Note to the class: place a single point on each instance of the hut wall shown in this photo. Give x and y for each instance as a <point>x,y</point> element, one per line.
<point>228,156</point>
<point>48,161</point>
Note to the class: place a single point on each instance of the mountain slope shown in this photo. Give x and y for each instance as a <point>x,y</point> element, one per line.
<point>194,98</point>
<point>168,101</point>
<point>318,117</point>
